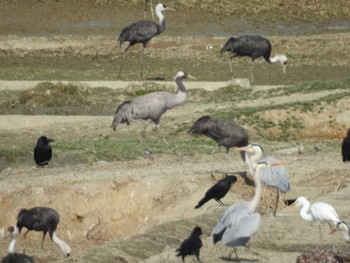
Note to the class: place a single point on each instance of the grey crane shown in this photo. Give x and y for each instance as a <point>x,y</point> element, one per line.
<point>42,219</point>
<point>240,222</point>
<point>152,106</point>
<point>191,245</point>
<point>252,46</point>
<point>141,32</point>
<point>225,133</point>
<point>12,256</point>
<point>345,147</point>
<point>276,176</point>
<point>43,151</point>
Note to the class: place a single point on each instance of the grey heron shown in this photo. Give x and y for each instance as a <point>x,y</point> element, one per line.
<point>191,245</point>
<point>345,147</point>
<point>43,151</point>
<point>276,176</point>
<point>141,32</point>
<point>252,46</point>
<point>42,219</point>
<point>240,222</point>
<point>152,106</point>
<point>218,190</point>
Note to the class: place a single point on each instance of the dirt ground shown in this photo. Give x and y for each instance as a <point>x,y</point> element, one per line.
<point>141,210</point>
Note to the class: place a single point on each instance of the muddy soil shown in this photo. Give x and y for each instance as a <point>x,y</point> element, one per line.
<point>141,210</point>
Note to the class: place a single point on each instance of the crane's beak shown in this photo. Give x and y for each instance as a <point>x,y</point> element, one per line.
<point>169,8</point>
<point>191,77</point>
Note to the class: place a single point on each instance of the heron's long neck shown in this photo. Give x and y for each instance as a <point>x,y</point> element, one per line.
<point>253,160</point>
<point>11,248</point>
<point>65,248</point>
<point>255,201</point>
<point>305,212</point>
<point>248,163</point>
<point>161,26</point>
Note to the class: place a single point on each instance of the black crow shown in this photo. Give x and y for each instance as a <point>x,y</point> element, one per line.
<point>43,151</point>
<point>218,190</point>
<point>191,245</point>
<point>345,147</point>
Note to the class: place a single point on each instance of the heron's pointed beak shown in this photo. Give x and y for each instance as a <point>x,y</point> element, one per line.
<point>240,149</point>
<point>191,77</point>
<point>277,164</point>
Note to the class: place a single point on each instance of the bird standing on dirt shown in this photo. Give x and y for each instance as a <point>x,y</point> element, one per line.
<point>42,219</point>
<point>218,190</point>
<point>252,46</point>
<point>191,245</point>
<point>12,256</point>
<point>43,151</point>
<point>319,211</point>
<point>152,106</point>
<point>240,221</point>
<point>345,147</point>
<point>274,176</point>
<point>141,32</point>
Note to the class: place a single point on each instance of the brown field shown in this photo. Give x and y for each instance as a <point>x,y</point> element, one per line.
<point>140,209</point>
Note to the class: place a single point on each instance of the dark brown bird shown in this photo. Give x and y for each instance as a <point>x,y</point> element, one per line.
<point>191,245</point>
<point>252,46</point>
<point>345,147</point>
<point>218,190</point>
<point>225,133</point>
<point>42,219</point>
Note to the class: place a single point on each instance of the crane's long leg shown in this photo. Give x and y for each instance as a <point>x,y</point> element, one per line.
<point>122,62</point>
<point>152,10</point>
<point>212,161</point>
<point>142,55</point>
<point>231,69</point>
<point>252,72</point>
<point>161,135</point>
<point>277,200</point>
<point>143,134</point>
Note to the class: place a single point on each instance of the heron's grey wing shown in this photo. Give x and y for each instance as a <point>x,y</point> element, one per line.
<point>276,176</point>
<point>238,234</point>
<point>231,215</point>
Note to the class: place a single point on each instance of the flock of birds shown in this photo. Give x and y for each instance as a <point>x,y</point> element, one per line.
<point>240,221</point>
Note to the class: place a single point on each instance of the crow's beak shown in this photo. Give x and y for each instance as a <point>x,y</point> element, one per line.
<point>50,140</point>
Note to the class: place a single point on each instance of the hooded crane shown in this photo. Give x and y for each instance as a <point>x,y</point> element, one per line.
<point>225,133</point>
<point>152,106</point>
<point>12,256</point>
<point>191,245</point>
<point>345,147</point>
<point>252,46</point>
<point>43,151</point>
<point>218,190</point>
<point>275,176</point>
<point>239,222</point>
<point>42,219</point>
<point>141,32</point>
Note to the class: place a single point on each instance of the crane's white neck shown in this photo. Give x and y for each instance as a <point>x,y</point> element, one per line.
<point>65,248</point>
<point>255,201</point>
<point>279,58</point>
<point>11,247</point>
<point>305,211</point>
<point>160,16</point>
